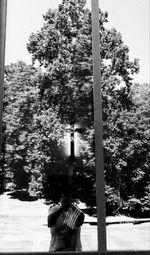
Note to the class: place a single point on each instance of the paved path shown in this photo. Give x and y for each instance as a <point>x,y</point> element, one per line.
<point>23,228</point>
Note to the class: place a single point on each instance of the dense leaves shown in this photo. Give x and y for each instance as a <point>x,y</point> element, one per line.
<point>32,133</point>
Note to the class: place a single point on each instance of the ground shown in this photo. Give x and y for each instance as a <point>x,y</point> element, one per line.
<point>23,227</point>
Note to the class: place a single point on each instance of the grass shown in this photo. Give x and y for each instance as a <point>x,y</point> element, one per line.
<point>23,226</point>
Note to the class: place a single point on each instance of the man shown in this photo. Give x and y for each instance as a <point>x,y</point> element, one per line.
<point>64,220</point>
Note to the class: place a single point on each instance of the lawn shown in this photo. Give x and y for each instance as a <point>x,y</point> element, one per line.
<point>23,227</point>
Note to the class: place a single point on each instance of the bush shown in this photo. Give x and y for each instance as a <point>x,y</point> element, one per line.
<point>112,200</point>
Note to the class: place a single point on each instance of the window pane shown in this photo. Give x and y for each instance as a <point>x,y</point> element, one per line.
<point>48,125</point>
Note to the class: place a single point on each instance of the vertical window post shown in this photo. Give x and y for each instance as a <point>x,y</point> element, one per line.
<point>3,5</point>
<point>100,187</point>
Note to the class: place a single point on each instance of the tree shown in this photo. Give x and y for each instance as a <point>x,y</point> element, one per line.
<point>64,47</point>
<point>19,105</point>
<point>32,133</point>
<point>141,156</point>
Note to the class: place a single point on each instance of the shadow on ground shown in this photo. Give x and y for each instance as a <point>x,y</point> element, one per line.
<point>22,195</point>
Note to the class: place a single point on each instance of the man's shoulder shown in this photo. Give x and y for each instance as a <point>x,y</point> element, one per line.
<point>53,207</point>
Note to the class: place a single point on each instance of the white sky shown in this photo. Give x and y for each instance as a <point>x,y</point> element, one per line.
<point>129,17</point>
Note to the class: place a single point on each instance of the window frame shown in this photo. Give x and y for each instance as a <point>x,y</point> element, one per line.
<point>100,194</point>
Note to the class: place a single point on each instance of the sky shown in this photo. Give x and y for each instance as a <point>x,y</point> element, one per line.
<point>130,17</point>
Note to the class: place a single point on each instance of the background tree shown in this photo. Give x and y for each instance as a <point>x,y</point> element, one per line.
<point>32,133</point>
<point>140,164</point>
<point>19,105</point>
<point>63,47</point>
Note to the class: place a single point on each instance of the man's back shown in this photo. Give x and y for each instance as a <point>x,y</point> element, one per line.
<point>63,237</point>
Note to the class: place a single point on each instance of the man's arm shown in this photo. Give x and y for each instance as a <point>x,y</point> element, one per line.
<point>54,213</point>
<point>80,219</point>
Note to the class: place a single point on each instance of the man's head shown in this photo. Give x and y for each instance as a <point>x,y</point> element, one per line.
<point>66,201</point>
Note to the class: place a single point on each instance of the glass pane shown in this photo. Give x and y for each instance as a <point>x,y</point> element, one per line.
<point>48,148</point>
<point>126,123</point>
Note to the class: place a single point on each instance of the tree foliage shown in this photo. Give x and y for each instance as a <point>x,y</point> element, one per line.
<point>44,102</point>
<point>64,47</point>
<point>32,133</point>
